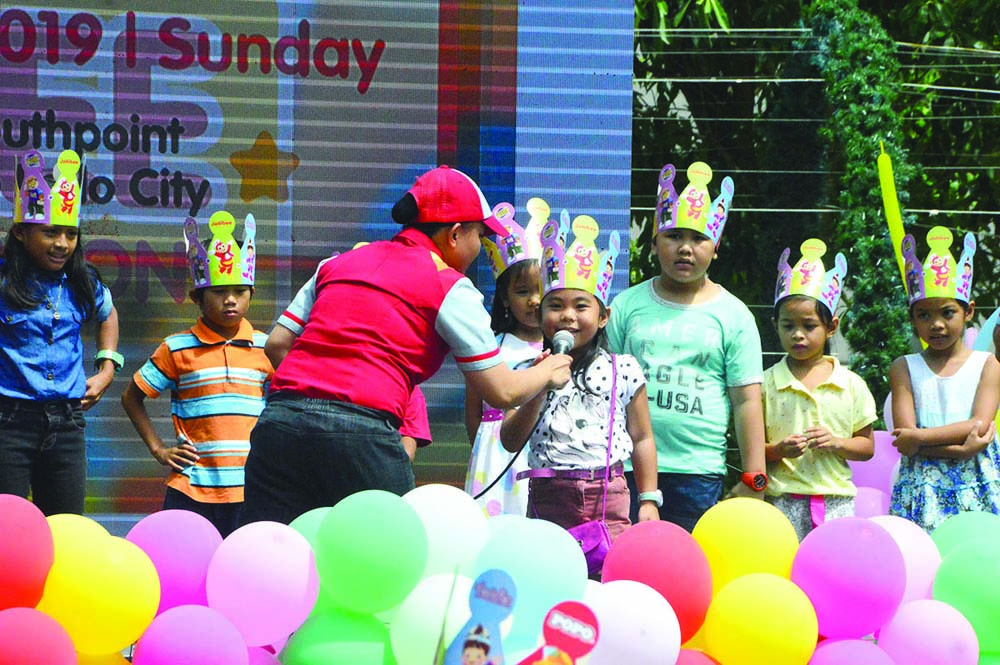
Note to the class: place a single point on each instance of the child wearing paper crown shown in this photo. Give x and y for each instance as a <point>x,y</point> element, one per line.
<point>216,373</point>
<point>700,350</point>
<point>514,319</point>
<point>817,413</point>
<point>48,291</point>
<point>578,436</point>
<point>944,398</point>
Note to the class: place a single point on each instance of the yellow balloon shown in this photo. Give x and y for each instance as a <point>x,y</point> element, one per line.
<point>107,659</point>
<point>741,536</point>
<point>68,529</point>
<point>761,619</point>
<point>104,591</point>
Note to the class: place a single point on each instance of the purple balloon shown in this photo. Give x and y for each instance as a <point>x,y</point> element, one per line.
<point>920,555</point>
<point>853,573</point>
<point>193,635</point>
<point>871,502</point>
<point>180,544</point>
<point>878,471</point>
<point>263,578</point>
<point>930,632</point>
<point>855,652</point>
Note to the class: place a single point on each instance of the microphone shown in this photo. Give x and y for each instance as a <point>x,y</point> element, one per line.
<point>562,342</point>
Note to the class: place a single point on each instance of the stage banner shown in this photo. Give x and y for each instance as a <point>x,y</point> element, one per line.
<point>314,117</point>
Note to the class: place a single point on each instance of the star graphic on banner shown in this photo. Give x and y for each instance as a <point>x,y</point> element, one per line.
<point>264,169</point>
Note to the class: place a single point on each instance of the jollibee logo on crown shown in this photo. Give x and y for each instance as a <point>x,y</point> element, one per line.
<point>521,243</point>
<point>224,263</point>
<point>809,276</point>
<point>939,276</point>
<point>40,200</point>
<point>693,209</point>
<point>580,266</point>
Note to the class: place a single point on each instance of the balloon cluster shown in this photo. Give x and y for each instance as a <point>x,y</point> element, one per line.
<point>383,579</point>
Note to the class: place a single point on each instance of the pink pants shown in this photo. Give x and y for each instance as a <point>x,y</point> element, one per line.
<point>569,503</point>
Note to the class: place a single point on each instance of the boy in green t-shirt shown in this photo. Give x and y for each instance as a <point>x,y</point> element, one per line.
<point>700,349</point>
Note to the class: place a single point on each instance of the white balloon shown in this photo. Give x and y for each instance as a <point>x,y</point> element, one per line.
<point>419,620</point>
<point>455,525</point>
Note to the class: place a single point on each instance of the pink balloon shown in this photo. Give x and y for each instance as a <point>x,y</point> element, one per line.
<point>871,502</point>
<point>878,471</point>
<point>855,652</point>
<point>668,559</point>
<point>26,552</point>
<point>193,635</point>
<point>29,636</point>
<point>920,555</point>
<point>695,657</point>
<point>853,573</point>
<point>930,632</point>
<point>263,578</point>
<point>180,544</point>
<point>261,656</point>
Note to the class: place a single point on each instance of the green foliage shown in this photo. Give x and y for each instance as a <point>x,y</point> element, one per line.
<point>856,58</point>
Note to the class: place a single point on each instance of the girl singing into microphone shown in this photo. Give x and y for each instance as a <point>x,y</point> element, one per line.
<point>580,435</point>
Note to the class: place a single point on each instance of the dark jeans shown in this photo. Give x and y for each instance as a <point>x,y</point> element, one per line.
<point>225,516</point>
<point>686,496</point>
<point>311,453</point>
<point>43,450</point>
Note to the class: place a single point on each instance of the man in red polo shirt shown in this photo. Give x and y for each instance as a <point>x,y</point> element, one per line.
<point>384,318</point>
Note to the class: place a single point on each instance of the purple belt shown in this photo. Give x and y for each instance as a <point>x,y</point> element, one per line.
<point>492,415</point>
<point>617,469</point>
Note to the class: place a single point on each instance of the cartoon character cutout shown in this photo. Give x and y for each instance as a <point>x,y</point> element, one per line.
<point>784,282</point>
<point>582,258</point>
<point>692,206</point>
<point>479,642</point>
<point>66,187</point>
<point>249,249</point>
<point>33,195</point>
<point>666,199</point>
<point>552,257</point>
<point>608,259</point>
<point>963,289</point>
<point>196,254</point>
<point>833,284</point>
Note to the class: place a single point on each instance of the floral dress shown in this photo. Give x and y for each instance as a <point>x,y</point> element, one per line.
<point>931,489</point>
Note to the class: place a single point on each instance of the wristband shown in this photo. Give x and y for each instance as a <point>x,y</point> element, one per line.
<point>656,497</point>
<point>117,359</point>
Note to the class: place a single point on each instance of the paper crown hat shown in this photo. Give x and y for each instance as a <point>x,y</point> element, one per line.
<point>41,200</point>
<point>939,276</point>
<point>809,277</point>
<point>580,266</point>
<point>693,209</point>
<point>520,243</point>
<point>224,263</point>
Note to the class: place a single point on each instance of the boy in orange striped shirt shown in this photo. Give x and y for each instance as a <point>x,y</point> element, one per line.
<point>217,374</point>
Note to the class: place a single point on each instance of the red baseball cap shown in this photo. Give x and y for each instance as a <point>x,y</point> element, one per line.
<point>445,195</point>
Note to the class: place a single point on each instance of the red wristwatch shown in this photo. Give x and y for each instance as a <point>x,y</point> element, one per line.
<point>755,480</point>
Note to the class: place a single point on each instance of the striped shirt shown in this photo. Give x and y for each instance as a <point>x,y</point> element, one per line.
<point>217,389</point>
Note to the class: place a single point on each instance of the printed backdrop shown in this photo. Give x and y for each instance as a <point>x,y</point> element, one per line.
<point>315,117</point>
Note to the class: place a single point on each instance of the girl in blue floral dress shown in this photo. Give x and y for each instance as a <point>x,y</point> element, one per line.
<point>944,399</point>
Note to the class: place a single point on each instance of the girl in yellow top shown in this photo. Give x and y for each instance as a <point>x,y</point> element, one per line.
<point>817,413</point>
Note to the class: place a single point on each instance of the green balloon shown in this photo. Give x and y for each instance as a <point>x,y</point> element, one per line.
<point>371,550</point>
<point>964,527</point>
<point>989,658</point>
<point>339,636</point>
<point>968,579</point>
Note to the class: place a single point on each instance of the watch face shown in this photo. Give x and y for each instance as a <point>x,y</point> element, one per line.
<point>759,481</point>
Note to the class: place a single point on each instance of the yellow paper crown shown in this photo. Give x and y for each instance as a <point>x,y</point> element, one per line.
<point>225,263</point>
<point>580,266</point>
<point>38,202</point>
<point>693,209</point>
<point>521,243</point>
<point>809,277</point>
<point>939,276</point>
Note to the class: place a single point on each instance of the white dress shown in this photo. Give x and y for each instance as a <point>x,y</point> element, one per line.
<point>488,455</point>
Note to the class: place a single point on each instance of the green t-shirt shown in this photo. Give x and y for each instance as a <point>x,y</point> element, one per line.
<point>691,355</point>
